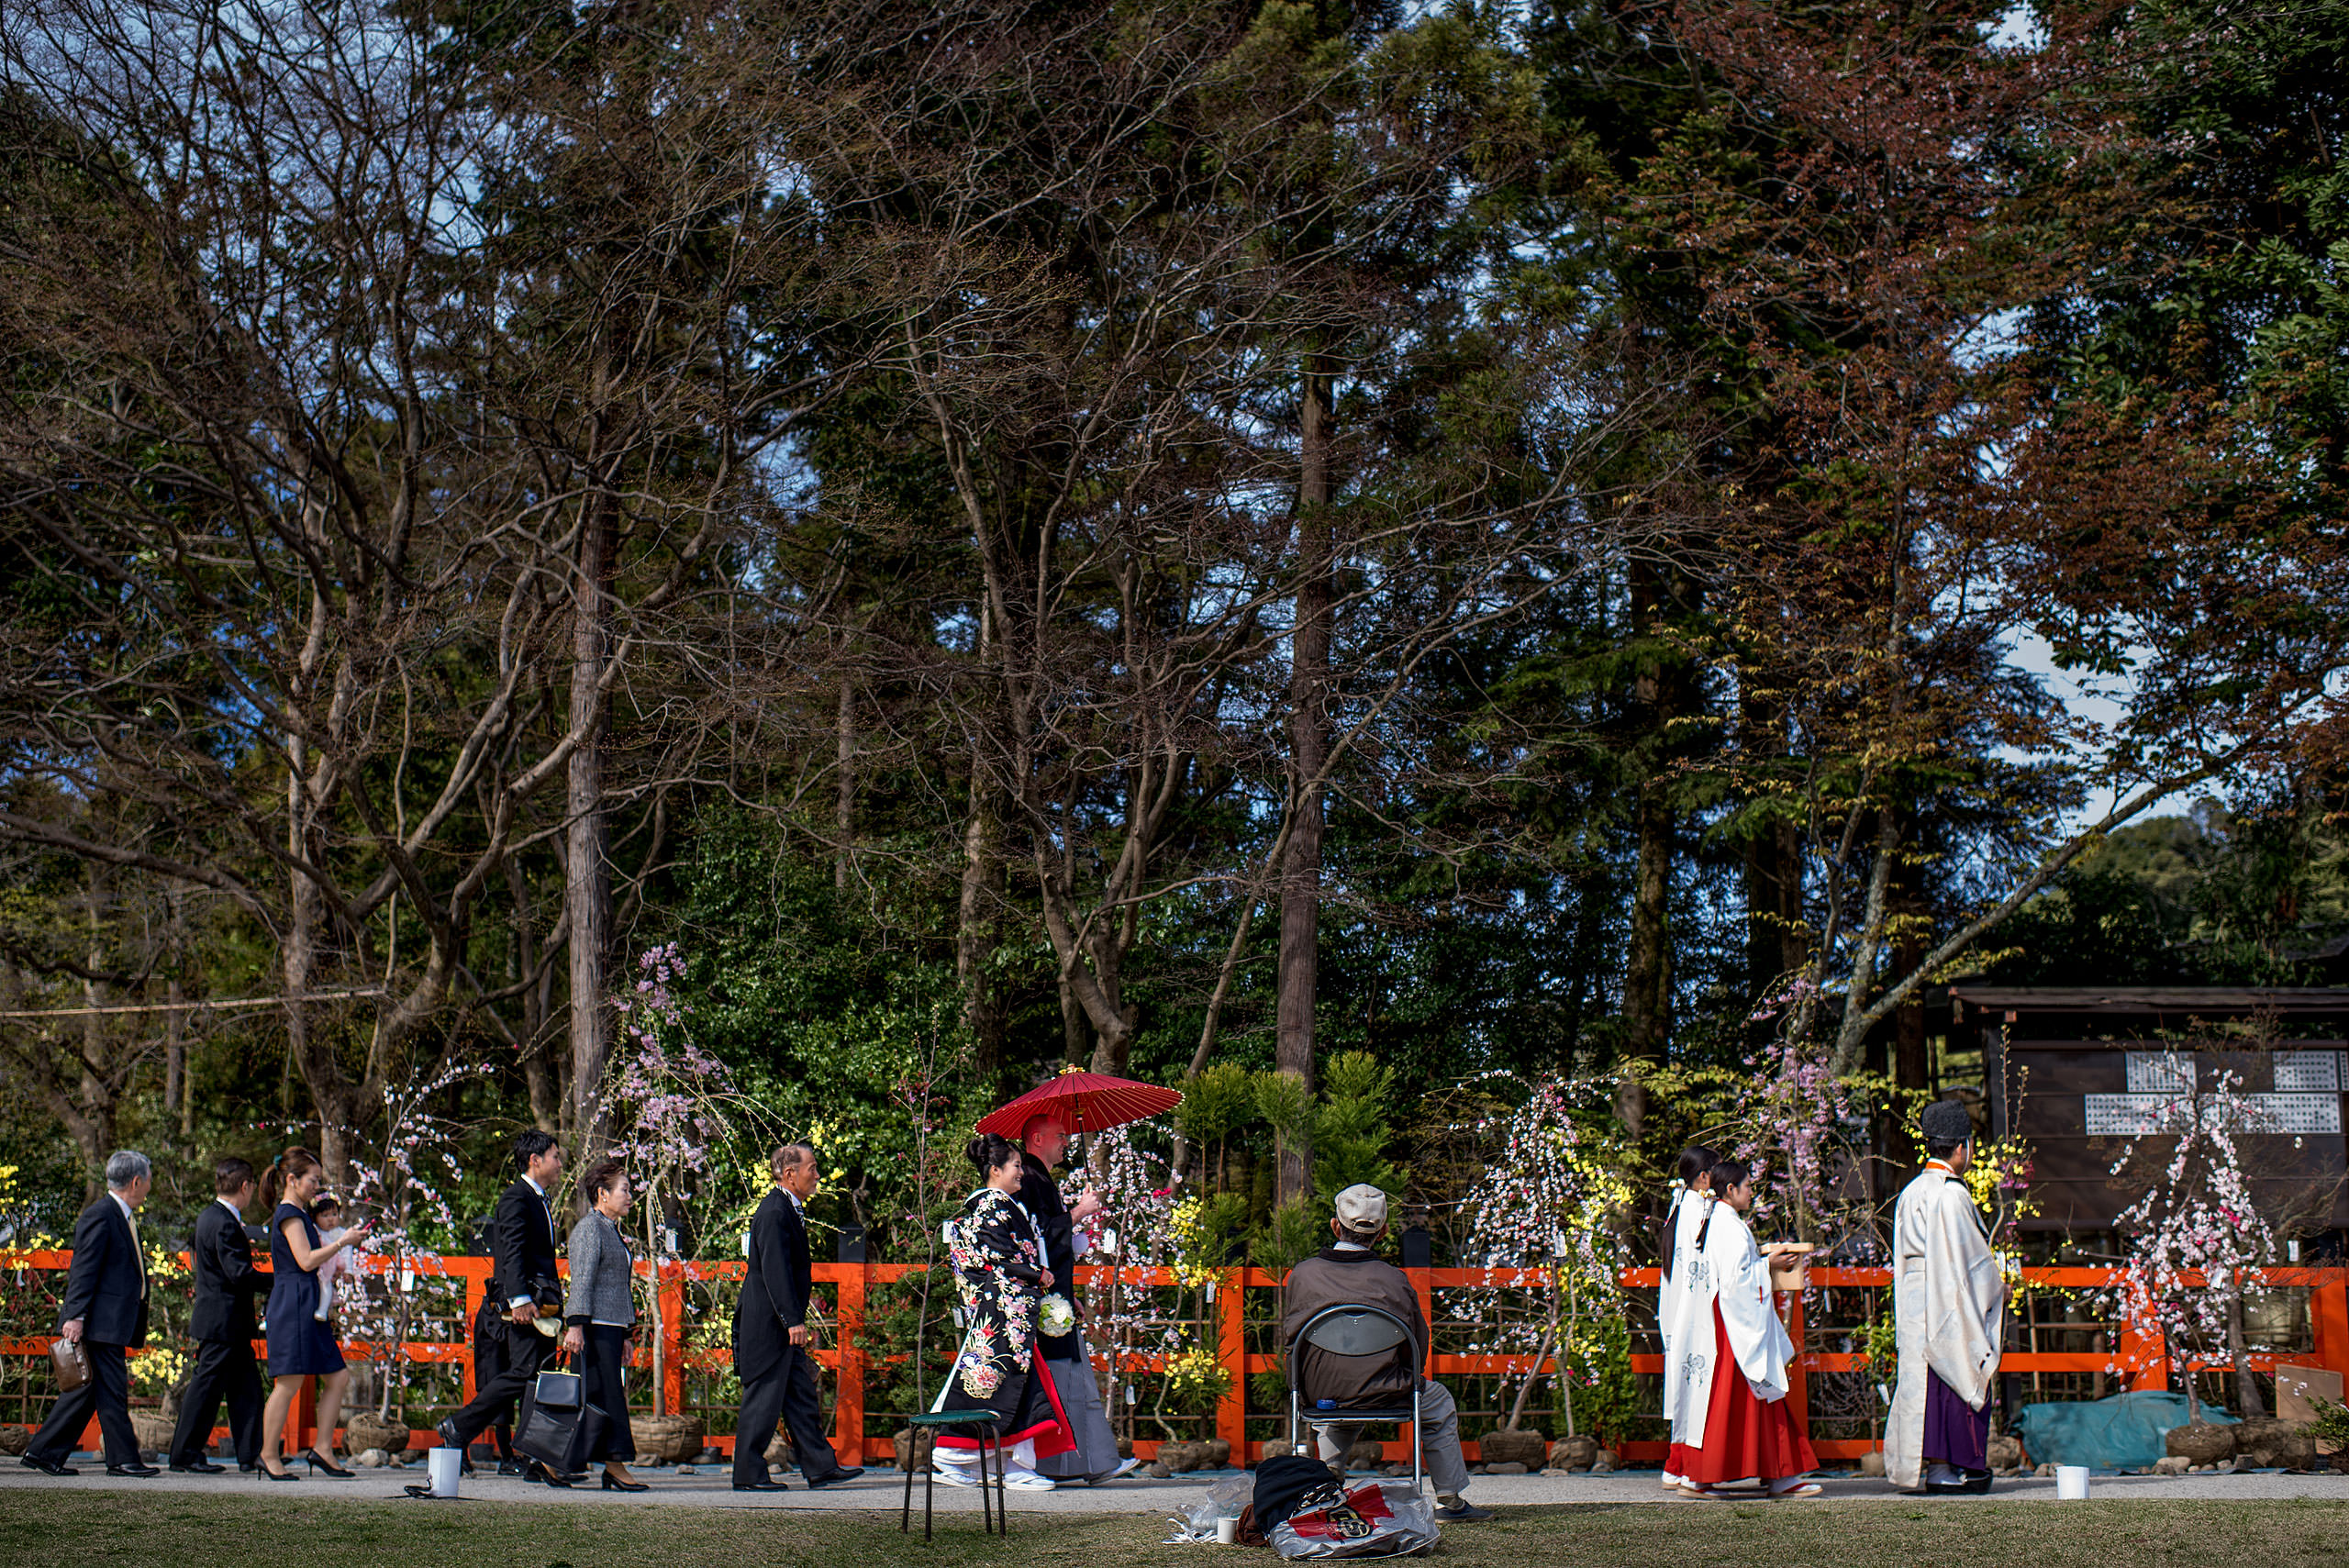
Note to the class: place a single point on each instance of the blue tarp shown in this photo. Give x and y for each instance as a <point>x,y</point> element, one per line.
<point>2123,1432</point>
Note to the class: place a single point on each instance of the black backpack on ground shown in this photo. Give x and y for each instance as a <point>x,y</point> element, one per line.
<point>1290,1484</point>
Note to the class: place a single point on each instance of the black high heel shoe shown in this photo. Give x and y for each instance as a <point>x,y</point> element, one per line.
<point>276,1474</point>
<point>614,1483</point>
<point>324,1467</point>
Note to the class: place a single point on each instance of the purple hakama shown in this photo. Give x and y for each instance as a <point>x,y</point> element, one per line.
<point>1955,1433</point>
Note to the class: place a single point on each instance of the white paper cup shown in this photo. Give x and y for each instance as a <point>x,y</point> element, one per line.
<point>442,1465</point>
<point>1226,1532</point>
<point>2072,1482</point>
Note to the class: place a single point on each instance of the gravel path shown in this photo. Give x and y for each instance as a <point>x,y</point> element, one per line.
<point>708,1487</point>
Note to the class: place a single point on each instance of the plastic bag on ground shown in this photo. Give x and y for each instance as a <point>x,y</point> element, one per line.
<point>1382,1519</point>
<point>1221,1501</point>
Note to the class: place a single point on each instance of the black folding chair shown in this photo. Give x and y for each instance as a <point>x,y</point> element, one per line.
<point>1356,1330</point>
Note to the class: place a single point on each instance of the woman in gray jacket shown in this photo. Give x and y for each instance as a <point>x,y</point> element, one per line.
<point>600,1315</point>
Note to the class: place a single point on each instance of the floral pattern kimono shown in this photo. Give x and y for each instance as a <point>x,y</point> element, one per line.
<point>998,1256</point>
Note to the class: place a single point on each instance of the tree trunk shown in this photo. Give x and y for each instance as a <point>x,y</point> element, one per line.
<point>175,1094</point>
<point>1911,1058</point>
<point>95,1130</point>
<point>311,1059</point>
<point>175,1086</point>
<point>1309,744</point>
<point>2249,1403</point>
<point>1912,1066</point>
<point>1647,1011</point>
<point>978,927</point>
<point>1076,1031</point>
<point>587,887</point>
<point>532,975</point>
<point>1867,941</point>
<point>1774,948</point>
<point>844,784</point>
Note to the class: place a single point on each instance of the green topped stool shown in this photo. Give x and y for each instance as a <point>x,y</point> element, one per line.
<point>990,1438</point>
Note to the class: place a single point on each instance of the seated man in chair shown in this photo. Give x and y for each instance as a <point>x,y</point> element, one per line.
<point>1349,1273</point>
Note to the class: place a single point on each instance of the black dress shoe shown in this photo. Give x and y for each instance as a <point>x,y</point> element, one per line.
<point>448,1436</point>
<point>540,1475</point>
<point>508,1467</point>
<point>770,1485</point>
<point>48,1466</point>
<point>834,1477</point>
<point>199,1467</point>
<point>136,1472</point>
<point>244,1469</point>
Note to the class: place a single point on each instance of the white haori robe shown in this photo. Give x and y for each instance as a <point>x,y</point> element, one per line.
<point>1671,1308</point>
<point>1756,1337</point>
<point>1729,1272</point>
<point>1949,1311</point>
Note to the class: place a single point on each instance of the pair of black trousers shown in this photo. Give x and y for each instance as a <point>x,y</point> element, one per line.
<point>787,1393</point>
<point>489,1360</point>
<point>525,1348</point>
<point>224,1370</point>
<point>105,1390</point>
<point>603,1376</point>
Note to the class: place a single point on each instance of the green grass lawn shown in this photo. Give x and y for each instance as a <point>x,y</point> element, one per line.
<point>181,1529</point>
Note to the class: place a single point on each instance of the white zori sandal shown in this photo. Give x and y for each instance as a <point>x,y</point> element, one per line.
<point>1702,1493</point>
<point>1794,1486</point>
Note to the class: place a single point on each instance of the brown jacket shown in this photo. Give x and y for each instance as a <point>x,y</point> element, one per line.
<point>1331,1278</point>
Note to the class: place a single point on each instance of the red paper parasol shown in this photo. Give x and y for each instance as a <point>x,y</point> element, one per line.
<point>1085,1101</point>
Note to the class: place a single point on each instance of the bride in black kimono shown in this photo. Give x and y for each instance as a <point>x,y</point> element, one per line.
<point>998,1256</point>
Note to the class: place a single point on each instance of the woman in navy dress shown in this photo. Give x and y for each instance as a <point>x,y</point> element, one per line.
<point>300,1345</point>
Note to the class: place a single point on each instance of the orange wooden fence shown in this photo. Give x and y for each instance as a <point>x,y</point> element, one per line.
<point>2140,1351</point>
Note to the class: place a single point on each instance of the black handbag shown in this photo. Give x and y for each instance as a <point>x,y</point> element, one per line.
<point>553,1428</point>
<point>559,1390</point>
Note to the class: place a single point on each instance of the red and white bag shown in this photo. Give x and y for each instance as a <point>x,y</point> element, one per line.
<point>1375,1520</point>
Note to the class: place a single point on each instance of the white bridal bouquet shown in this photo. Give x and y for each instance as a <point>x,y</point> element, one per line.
<point>1056,1316</point>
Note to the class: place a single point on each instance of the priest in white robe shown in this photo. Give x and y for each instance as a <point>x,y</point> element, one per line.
<point>1949,1312</point>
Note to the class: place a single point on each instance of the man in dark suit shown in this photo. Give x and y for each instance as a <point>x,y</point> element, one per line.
<point>105,1312</point>
<point>521,1246</point>
<point>771,1336</point>
<point>223,1328</point>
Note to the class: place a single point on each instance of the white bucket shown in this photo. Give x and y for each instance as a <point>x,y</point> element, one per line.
<point>2072,1482</point>
<point>443,1463</point>
<point>1226,1532</point>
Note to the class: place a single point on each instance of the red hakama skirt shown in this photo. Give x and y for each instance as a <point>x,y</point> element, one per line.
<point>1743,1437</point>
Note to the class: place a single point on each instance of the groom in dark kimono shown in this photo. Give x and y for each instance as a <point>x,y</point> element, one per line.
<point>1093,1460</point>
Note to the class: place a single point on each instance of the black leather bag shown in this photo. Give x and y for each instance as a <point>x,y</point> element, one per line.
<point>555,1421</point>
<point>549,1436</point>
<point>559,1390</point>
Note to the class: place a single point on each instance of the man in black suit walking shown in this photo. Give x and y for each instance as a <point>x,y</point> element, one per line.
<point>105,1312</point>
<point>223,1328</point>
<point>771,1336</point>
<point>521,1245</point>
